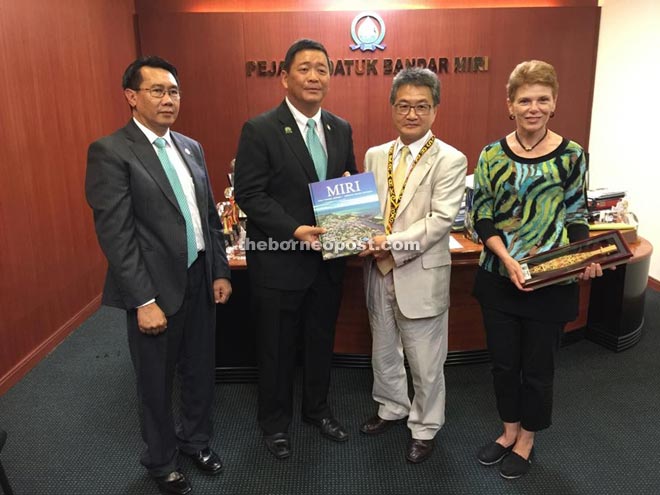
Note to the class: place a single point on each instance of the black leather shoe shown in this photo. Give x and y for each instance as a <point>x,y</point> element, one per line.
<point>492,453</point>
<point>514,466</point>
<point>419,450</point>
<point>206,460</point>
<point>174,483</point>
<point>330,428</point>
<point>278,445</point>
<point>377,425</point>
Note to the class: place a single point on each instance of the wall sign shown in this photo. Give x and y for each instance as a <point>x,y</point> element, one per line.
<point>368,32</point>
<point>374,66</point>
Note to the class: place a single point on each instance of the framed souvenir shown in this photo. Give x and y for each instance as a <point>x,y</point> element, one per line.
<point>608,249</point>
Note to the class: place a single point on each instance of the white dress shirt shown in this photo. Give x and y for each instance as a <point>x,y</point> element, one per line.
<point>185,179</point>
<point>301,120</point>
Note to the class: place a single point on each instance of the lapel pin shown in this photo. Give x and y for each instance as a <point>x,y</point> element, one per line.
<point>327,126</point>
<point>287,130</point>
<point>186,151</point>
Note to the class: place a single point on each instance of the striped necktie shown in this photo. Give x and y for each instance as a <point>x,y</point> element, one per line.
<point>180,198</point>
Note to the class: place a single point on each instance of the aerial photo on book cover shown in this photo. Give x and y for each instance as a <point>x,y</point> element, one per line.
<point>349,210</point>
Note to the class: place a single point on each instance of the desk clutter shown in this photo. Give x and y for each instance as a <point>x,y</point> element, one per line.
<point>233,222</point>
<point>468,227</point>
<point>609,210</point>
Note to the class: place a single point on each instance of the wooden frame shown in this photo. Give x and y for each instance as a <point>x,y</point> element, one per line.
<point>608,249</point>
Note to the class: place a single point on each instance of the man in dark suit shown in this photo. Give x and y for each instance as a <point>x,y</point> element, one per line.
<point>293,290</point>
<point>158,227</point>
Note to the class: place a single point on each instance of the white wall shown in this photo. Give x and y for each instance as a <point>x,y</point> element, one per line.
<point>625,123</point>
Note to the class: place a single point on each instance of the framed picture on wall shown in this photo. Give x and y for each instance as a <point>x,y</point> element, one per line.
<point>554,266</point>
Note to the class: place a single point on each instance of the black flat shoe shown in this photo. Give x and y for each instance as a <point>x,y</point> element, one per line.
<point>514,466</point>
<point>174,483</point>
<point>492,453</point>
<point>278,445</point>
<point>206,460</point>
<point>330,428</point>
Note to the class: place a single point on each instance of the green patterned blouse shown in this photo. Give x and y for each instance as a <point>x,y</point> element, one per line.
<point>531,203</point>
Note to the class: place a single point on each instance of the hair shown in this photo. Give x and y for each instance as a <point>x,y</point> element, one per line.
<point>532,72</point>
<point>133,77</point>
<point>300,45</point>
<point>416,76</point>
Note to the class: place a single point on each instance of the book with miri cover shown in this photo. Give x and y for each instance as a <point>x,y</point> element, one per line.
<point>349,209</point>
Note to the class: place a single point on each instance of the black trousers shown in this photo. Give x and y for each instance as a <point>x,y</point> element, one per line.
<point>523,354</point>
<point>280,318</point>
<point>186,347</point>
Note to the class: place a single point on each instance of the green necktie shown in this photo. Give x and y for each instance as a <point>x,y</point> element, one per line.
<point>180,198</point>
<point>316,150</point>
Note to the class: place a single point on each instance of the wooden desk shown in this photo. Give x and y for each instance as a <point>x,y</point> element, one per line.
<point>467,340</point>
<point>611,311</point>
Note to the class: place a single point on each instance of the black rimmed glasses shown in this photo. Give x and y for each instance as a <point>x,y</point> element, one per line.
<point>421,109</point>
<point>158,93</point>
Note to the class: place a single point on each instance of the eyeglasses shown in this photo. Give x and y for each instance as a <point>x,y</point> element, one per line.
<point>158,93</point>
<point>421,109</point>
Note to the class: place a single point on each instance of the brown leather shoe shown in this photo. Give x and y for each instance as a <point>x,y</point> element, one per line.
<point>377,425</point>
<point>419,450</point>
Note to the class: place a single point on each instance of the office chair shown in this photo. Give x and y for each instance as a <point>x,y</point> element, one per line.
<point>4,482</point>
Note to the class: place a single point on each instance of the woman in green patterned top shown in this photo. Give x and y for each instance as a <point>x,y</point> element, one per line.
<point>528,198</point>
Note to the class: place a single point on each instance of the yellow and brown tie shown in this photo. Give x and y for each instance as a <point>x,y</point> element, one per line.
<point>385,265</point>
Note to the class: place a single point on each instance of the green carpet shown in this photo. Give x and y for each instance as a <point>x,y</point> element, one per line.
<point>73,429</point>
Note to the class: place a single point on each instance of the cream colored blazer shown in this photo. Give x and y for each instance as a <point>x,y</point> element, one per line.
<point>420,234</point>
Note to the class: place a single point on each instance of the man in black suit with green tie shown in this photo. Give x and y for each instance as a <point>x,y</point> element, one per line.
<point>293,290</point>
<point>157,225</point>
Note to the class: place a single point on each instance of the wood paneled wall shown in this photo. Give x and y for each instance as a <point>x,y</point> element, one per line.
<point>61,80</point>
<point>62,63</point>
<point>211,50</point>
